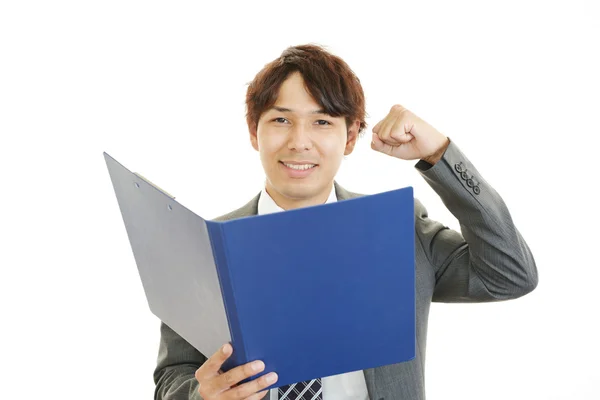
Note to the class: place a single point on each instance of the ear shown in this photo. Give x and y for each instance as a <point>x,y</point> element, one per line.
<point>254,137</point>
<point>352,137</point>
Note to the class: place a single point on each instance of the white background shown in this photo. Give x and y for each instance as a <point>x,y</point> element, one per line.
<point>160,86</point>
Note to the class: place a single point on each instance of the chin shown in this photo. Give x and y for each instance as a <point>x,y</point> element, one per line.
<point>298,190</point>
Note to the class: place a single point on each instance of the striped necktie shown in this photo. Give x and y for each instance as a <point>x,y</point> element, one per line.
<point>308,390</point>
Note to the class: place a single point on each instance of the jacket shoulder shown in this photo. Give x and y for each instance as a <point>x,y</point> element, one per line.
<point>249,209</point>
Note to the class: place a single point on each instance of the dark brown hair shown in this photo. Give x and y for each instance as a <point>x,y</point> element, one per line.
<point>327,77</point>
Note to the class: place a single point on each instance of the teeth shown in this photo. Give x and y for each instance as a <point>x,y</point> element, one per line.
<point>299,167</point>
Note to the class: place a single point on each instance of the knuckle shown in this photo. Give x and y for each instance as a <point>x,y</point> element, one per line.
<point>202,391</point>
<point>262,395</point>
<point>399,111</point>
<point>257,396</point>
<point>260,384</point>
<point>209,363</point>
<point>245,391</point>
<point>229,378</point>
<point>248,371</point>
<point>213,364</point>
<point>239,392</point>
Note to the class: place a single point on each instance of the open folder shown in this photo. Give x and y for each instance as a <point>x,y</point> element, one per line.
<point>313,292</point>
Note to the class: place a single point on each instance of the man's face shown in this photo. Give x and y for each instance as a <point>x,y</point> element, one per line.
<point>300,147</point>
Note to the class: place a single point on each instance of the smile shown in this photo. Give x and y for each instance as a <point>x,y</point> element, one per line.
<point>299,167</point>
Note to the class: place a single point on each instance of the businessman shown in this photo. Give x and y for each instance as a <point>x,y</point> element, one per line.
<point>305,112</point>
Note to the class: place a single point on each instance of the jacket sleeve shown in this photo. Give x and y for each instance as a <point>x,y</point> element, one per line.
<point>177,363</point>
<point>489,259</point>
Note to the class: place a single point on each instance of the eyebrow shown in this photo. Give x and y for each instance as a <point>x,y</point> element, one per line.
<point>284,109</point>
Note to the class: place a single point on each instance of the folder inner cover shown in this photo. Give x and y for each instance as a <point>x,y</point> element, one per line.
<point>327,289</point>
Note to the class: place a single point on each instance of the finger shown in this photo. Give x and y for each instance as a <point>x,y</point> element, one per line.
<point>377,126</point>
<point>400,132</point>
<point>257,396</point>
<point>378,145</point>
<point>398,108</point>
<point>238,374</point>
<point>212,366</point>
<point>252,388</point>
<point>385,135</point>
<point>385,130</point>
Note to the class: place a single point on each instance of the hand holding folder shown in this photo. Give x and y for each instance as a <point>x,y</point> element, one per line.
<point>213,380</point>
<point>312,292</point>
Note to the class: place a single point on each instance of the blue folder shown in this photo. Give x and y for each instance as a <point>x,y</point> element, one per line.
<point>313,292</point>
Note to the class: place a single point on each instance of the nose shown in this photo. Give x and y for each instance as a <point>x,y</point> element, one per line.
<point>299,138</point>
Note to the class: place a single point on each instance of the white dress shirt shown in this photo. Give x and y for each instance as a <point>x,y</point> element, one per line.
<point>348,386</point>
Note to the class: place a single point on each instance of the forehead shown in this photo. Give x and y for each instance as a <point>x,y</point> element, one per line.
<point>294,95</point>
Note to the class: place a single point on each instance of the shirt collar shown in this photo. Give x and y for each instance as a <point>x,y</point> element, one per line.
<point>267,205</point>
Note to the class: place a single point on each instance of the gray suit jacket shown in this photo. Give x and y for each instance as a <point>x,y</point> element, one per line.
<point>489,261</point>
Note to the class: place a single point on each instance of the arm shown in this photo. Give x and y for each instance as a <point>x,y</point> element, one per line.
<point>490,260</point>
<point>177,363</point>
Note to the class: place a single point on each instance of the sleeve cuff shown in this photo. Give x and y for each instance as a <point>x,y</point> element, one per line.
<point>423,165</point>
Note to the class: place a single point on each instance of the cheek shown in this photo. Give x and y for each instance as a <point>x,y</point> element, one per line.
<point>266,144</point>
<point>334,146</point>
<point>269,147</point>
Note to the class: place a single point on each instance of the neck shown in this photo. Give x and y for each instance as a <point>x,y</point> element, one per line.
<point>290,203</point>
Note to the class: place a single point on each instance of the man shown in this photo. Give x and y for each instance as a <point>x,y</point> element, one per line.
<point>305,111</point>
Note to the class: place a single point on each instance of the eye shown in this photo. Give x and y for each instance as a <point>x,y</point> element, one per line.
<point>323,122</point>
<point>280,120</point>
